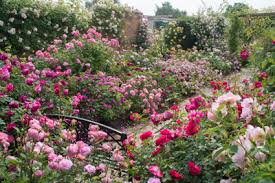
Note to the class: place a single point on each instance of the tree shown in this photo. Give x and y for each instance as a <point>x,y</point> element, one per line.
<point>167,9</point>
<point>236,9</point>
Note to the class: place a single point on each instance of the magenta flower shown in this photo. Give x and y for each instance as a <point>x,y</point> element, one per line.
<point>155,170</point>
<point>244,54</point>
<point>9,87</point>
<point>35,106</point>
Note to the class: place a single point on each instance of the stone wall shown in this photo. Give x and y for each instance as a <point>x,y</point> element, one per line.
<point>132,23</point>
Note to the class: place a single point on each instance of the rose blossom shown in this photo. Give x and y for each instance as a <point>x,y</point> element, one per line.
<point>194,169</point>
<point>153,180</point>
<point>155,170</point>
<point>90,169</point>
<point>65,164</point>
<point>175,175</point>
<point>146,135</point>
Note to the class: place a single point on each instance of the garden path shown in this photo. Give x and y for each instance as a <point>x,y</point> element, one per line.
<point>232,79</point>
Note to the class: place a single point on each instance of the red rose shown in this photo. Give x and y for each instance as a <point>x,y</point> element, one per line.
<point>194,169</point>
<point>258,84</point>
<point>174,108</point>
<point>192,128</point>
<point>146,135</point>
<point>162,140</point>
<point>244,54</point>
<point>263,75</point>
<point>175,175</point>
<point>10,127</point>
<point>156,151</point>
<point>273,42</point>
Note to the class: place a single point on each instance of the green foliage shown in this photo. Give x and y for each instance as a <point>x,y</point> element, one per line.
<point>179,33</point>
<point>234,34</point>
<point>30,25</point>
<point>236,8</point>
<point>142,36</point>
<point>167,9</point>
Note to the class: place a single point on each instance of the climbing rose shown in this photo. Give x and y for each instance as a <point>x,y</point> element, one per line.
<point>244,54</point>
<point>155,170</point>
<point>175,175</point>
<point>194,169</point>
<point>146,135</point>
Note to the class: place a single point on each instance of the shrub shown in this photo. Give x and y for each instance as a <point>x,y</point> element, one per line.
<point>108,19</point>
<point>30,25</point>
<point>179,33</point>
<point>216,139</point>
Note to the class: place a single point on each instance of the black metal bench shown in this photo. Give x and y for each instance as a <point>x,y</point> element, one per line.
<point>114,136</point>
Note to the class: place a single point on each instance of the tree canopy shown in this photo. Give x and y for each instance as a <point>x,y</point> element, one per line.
<point>167,9</point>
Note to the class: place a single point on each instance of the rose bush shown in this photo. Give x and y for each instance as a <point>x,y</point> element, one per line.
<point>211,139</point>
<point>30,25</point>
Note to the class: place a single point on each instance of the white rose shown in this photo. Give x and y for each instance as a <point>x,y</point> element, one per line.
<point>23,15</point>
<point>29,32</point>
<point>20,40</point>
<point>27,48</point>
<point>11,19</point>
<point>1,23</point>
<point>12,31</point>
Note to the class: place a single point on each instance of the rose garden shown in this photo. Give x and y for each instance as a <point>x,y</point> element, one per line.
<point>192,102</point>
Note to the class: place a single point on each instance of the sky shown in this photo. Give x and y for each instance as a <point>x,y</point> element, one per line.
<point>148,7</point>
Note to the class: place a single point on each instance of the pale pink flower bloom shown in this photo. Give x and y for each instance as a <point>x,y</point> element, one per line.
<point>107,179</point>
<point>272,107</point>
<point>106,147</point>
<point>38,173</point>
<point>50,123</point>
<point>153,180</point>
<point>229,98</point>
<point>117,156</point>
<point>4,141</point>
<point>65,164</point>
<point>90,169</point>
<point>101,167</point>
<point>38,147</point>
<point>155,170</point>
<point>52,157</point>
<point>72,149</point>
<point>69,46</point>
<point>239,158</point>
<point>256,134</point>
<point>211,116</point>
<point>260,156</point>
<point>13,158</point>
